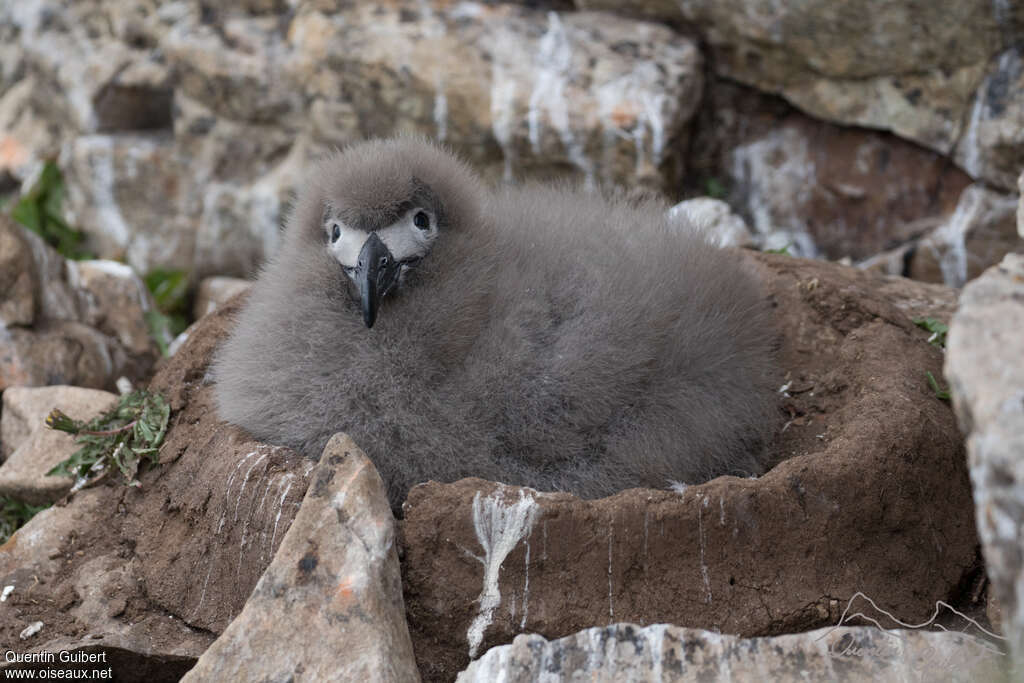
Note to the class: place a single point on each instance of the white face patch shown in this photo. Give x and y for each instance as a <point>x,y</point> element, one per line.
<point>405,238</point>
<point>348,243</point>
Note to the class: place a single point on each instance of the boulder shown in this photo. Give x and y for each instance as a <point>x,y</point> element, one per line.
<point>69,322</point>
<point>158,571</point>
<point>867,451</point>
<point>714,218</point>
<point>336,565</point>
<point>672,654</point>
<point>31,448</point>
<point>944,75</point>
<point>184,130</point>
<point>977,235</point>
<point>215,291</point>
<point>822,188</point>
<point>97,610</point>
<point>1020,206</point>
<point>986,379</point>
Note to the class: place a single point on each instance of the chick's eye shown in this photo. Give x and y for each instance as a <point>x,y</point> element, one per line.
<point>421,220</point>
<point>335,233</point>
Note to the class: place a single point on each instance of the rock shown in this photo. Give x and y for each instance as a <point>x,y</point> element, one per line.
<point>129,193</point>
<point>672,654</point>
<point>851,505</point>
<point>31,449</point>
<point>979,234</point>
<point>336,565</point>
<point>251,96</point>
<point>986,380</point>
<point>821,188</point>
<point>69,322</point>
<point>98,605</point>
<point>1020,206</point>
<point>920,75</point>
<point>159,571</point>
<point>991,148</point>
<point>17,280</point>
<point>215,291</point>
<point>114,300</point>
<point>94,63</point>
<point>716,218</point>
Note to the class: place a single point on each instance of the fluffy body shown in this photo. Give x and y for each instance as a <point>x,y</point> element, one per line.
<point>552,338</point>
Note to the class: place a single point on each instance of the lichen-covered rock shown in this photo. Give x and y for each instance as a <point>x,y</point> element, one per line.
<point>336,566</point>
<point>986,377</point>
<point>852,505</point>
<point>670,654</point>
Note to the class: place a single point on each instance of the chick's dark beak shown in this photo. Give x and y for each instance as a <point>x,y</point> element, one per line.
<point>376,273</point>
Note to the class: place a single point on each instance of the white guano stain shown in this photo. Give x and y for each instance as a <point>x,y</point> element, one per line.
<point>553,66</point>
<point>703,543</point>
<point>503,98</point>
<point>499,527</point>
<point>611,605</point>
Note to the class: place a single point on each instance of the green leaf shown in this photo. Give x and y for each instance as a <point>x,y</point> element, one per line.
<point>714,188</point>
<point>940,393</point>
<point>132,429</point>
<point>783,250</point>
<point>14,514</point>
<point>938,330</point>
<point>40,211</point>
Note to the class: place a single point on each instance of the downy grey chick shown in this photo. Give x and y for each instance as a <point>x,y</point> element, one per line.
<point>536,336</point>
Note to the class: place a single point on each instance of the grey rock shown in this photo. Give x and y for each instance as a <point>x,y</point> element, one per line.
<point>991,146</point>
<point>335,575</point>
<point>214,291</point>
<point>1020,206</point>
<point>715,218</point>
<point>69,322</point>
<point>17,280</point>
<point>627,652</point>
<point>986,377</point>
<point>925,73</point>
<point>23,474</point>
<point>253,92</point>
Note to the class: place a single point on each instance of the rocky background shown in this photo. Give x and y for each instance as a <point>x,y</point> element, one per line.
<point>887,135</point>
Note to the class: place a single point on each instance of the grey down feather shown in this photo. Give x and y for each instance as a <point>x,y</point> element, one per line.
<point>533,335</point>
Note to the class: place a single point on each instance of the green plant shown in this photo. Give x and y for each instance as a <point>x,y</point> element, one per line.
<point>938,330</point>
<point>14,514</point>
<point>39,210</point>
<point>121,437</point>
<point>714,188</point>
<point>170,293</point>
<point>940,393</point>
<point>780,250</point>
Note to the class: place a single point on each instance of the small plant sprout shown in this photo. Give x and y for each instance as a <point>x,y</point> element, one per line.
<point>938,330</point>
<point>934,384</point>
<point>119,438</point>
<point>13,515</point>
